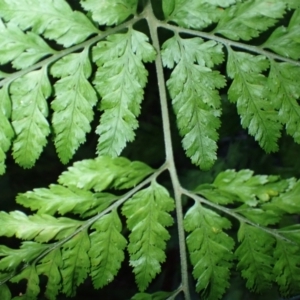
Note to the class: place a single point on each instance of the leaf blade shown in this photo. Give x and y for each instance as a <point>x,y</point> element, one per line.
<point>257,112</point>
<point>120,79</point>
<point>104,172</point>
<point>193,89</point>
<point>30,109</point>
<point>210,250</point>
<point>108,12</point>
<point>107,249</point>
<point>73,103</point>
<point>54,19</point>
<point>255,257</point>
<point>147,216</point>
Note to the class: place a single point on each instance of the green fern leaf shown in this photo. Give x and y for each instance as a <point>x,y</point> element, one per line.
<point>41,228</point>
<point>104,172</point>
<point>287,267</point>
<point>147,216</point>
<point>64,200</point>
<point>255,257</point>
<point>23,50</point>
<point>5,293</point>
<point>76,262</point>
<point>261,215</point>
<point>73,105</point>
<point>285,91</point>
<point>247,20</point>
<point>110,12</point>
<point>193,13</point>
<point>30,109</point>
<point>33,281</point>
<point>168,7</point>
<point>210,250</point>
<point>293,3</point>
<point>120,79</point>
<point>52,18</point>
<point>100,203</point>
<point>292,233</point>
<point>242,186</point>
<point>257,193</point>
<point>193,89</point>
<point>6,130</point>
<point>248,91</point>
<point>56,199</point>
<point>107,249</point>
<point>286,40</point>
<point>50,266</point>
<point>15,258</point>
<point>154,296</point>
<point>221,3</point>
<point>217,195</point>
<point>287,202</point>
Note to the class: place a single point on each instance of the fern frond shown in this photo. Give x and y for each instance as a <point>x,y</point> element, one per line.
<point>292,233</point>
<point>193,13</point>
<point>100,203</point>
<point>284,92</point>
<point>21,49</point>
<point>255,257</point>
<point>33,281</point>
<point>120,79</point>
<point>73,105</point>
<point>258,194</point>
<point>13,258</point>
<point>210,250</point>
<point>6,130</point>
<point>105,172</point>
<point>287,202</point>
<point>292,3</point>
<point>29,112</point>
<point>50,266</point>
<point>248,19</point>
<point>286,40</point>
<point>242,186</point>
<point>69,263</point>
<point>64,200</point>
<point>193,89</point>
<point>221,3</point>
<point>147,214</point>
<point>154,296</point>
<point>52,18</point>
<point>248,92</point>
<point>107,249</point>
<point>107,12</point>
<point>266,199</point>
<point>287,267</point>
<point>76,262</point>
<point>5,292</point>
<point>53,50</point>
<point>41,228</point>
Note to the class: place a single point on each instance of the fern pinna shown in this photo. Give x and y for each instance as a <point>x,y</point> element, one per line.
<point>61,61</point>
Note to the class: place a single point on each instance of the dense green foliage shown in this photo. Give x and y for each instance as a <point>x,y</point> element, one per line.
<point>63,64</point>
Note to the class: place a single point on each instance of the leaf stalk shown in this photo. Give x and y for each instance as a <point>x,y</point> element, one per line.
<point>153,25</point>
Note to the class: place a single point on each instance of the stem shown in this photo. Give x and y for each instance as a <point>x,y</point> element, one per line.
<point>153,25</point>
<point>175,293</point>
